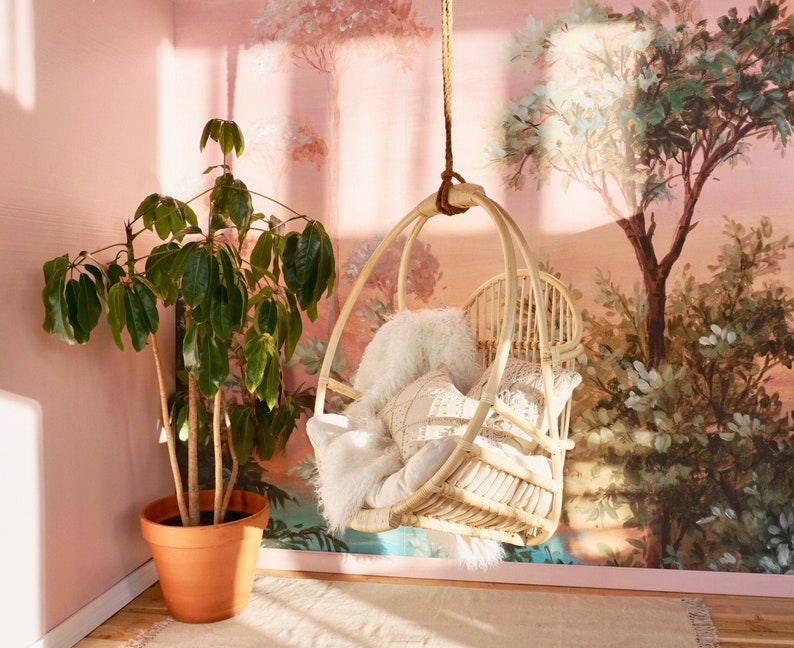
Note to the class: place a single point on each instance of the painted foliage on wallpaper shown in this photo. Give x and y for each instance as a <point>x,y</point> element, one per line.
<point>641,152</point>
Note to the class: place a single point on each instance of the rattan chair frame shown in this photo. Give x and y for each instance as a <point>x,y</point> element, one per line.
<point>522,313</point>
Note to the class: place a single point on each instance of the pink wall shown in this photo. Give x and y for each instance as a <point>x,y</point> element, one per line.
<point>81,106</point>
<point>88,128</point>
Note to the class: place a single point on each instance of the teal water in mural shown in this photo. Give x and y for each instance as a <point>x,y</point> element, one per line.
<point>405,541</point>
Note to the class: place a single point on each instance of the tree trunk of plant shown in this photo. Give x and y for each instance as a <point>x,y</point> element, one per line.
<point>169,433</point>
<point>192,450</point>
<point>235,462</point>
<point>218,512</point>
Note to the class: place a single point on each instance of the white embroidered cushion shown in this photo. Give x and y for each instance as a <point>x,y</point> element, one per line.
<point>430,407</point>
<point>431,410</point>
<point>521,387</point>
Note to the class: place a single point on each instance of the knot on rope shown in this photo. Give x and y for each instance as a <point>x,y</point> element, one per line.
<point>442,197</point>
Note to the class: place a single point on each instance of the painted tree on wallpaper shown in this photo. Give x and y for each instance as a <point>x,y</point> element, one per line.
<point>638,108</point>
<point>322,35</point>
<point>689,450</point>
<point>284,141</point>
<point>642,108</point>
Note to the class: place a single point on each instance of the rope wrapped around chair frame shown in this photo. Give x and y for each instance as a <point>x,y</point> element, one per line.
<point>525,314</point>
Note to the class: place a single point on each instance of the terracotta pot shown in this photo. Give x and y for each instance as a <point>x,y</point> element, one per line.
<point>206,572</point>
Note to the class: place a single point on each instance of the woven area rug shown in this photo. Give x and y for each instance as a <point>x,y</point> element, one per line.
<point>295,612</point>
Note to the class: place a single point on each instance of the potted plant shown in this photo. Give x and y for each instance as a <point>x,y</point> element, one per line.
<point>242,281</point>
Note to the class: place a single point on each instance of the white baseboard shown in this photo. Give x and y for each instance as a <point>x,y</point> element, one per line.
<point>82,622</point>
<point>623,578</point>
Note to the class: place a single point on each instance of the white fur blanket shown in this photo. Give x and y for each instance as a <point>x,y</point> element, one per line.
<point>358,462</point>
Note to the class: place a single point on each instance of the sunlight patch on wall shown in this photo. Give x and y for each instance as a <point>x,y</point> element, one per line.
<point>166,115</point>
<point>568,135</point>
<point>17,52</point>
<point>21,480</point>
<point>571,210</point>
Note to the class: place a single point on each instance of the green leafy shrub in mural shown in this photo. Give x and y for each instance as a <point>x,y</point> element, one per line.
<point>682,441</point>
<point>758,538</point>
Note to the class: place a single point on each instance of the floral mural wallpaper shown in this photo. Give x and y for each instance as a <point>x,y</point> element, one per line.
<point>642,150</point>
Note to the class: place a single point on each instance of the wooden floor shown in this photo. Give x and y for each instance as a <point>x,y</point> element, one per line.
<point>741,621</point>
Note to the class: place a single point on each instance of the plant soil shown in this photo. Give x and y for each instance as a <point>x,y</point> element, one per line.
<point>206,518</point>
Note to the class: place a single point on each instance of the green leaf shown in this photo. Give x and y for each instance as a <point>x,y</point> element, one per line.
<point>307,253</point>
<point>266,317</point>
<point>228,266</point>
<point>166,215</point>
<point>136,319</point>
<point>146,210</point>
<point>265,439</point>
<point>71,292</point>
<point>56,319</point>
<point>244,429</point>
<point>261,255</point>
<point>99,279</point>
<point>213,364</point>
<point>308,263</point>
<point>294,328</point>
<point>231,138</point>
<point>196,279</point>
<point>89,307</point>
<point>116,312</point>
<point>159,268</point>
<point>183,427</point>
<point>150,315</point>
<point>327,266</point>
<point>221,315</point>
<point>115,273</point>
<point>190,351</point>
<point>288,261</point>
<point>284,422</point>
<point>256,358</point>
<point>270,387</point>
<point>236,291</point>
<point>265,442</point>
<point>209,127</point>
<point>231,199</point>
<point>226,133</point>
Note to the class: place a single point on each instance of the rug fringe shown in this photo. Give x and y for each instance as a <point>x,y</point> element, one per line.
<point>699,617</point>
<point>149,634</point>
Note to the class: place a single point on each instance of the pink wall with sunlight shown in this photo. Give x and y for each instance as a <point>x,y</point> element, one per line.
<point>81,108</point>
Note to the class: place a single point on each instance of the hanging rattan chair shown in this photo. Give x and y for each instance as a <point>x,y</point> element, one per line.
<point>522,313</point>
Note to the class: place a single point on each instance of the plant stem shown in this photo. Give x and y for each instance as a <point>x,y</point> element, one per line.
<point>235,462</point>
<point>192,450</point>
<point>169,433</point>
<point>216,444</point>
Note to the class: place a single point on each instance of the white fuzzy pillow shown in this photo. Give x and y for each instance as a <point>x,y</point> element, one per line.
<point>411,344</point>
